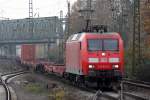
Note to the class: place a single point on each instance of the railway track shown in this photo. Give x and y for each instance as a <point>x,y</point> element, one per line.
<point>8,93</point>
<point>14,72</point>
<point>130,90</point>
<point>135,90</point>
<point>106,96</point>
<point>4,82</point>
<point>79,86</point>
<point>97,94</point>
<point>123,94</point>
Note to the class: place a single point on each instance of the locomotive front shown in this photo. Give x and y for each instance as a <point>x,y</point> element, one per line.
<point>104,56</point>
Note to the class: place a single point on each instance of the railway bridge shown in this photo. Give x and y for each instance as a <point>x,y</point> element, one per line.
<point>44,30</point>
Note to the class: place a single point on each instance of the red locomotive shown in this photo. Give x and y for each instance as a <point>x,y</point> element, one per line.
<point>90,57</point>
<point>94,57</point>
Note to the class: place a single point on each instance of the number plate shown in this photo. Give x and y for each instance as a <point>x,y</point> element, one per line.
<point>103,59</point>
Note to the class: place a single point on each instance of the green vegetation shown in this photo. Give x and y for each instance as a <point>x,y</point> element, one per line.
<point>61,94</point>
<point>57,94</point>
<point>142,72</point>
<point>34,88</point>
<point>128,63</point>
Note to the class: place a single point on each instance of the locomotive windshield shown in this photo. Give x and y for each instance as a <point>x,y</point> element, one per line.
<point>110,45</point>
<point>102,44</point>
<point>94,45</point>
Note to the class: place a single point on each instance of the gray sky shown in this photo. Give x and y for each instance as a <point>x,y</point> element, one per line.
<point>19,8</point>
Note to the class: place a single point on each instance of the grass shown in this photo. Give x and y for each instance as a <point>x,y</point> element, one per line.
<point>141,72</point>
<point>34,88</point>
<point>57,94</point>
<point>128,63</point>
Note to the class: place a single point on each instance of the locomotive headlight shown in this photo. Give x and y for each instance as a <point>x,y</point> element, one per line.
<point>93,60</point>
<point>115,66</point>
<point>103,54</point>
<point>91,66</point>
<point>113,60</point>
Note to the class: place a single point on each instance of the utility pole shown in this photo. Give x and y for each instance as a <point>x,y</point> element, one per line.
<point>60,54</point>
<point>31,18</point>
<point>112,14</point>
<point>115,6</point>
<point>68,21</point>
<point>37,13</point>
<point>123,21</point>
<point>136,51</point>
<point>87,12</point>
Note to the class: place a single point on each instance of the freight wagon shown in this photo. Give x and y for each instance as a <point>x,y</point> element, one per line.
<point>90,57</point>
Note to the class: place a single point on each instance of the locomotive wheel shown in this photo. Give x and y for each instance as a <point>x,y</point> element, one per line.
<point>66,76</point>
<point>86,83</point>
<point>80,81</point>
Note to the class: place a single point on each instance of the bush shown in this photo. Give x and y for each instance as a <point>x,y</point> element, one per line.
<point>57,94</point>
<point>128,63</point>
<point>143,72</point>
<point>35,88</point>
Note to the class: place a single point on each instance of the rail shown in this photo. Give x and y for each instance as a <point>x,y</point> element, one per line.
<point>12,73</point>
<point>134,90</point>
<point>130,90</point>
<point>8,94</point>
<point>4,79</point>
<point>106,95</point>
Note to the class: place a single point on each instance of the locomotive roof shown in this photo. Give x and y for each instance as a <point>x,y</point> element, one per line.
<point>79,36</point>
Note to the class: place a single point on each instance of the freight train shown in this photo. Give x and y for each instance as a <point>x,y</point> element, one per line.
<point>89,57</point>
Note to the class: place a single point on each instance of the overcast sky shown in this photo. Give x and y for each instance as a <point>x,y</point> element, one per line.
<point>19,8</point>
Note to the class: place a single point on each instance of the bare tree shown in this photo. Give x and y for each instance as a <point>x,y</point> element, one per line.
<point>116,14</point>
<point>76,20</point>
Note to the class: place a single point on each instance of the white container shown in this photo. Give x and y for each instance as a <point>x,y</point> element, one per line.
<point>41,51</point>
<point>18,51</point>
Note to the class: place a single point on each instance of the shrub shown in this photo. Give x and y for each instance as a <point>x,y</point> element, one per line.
<point>35,88</point>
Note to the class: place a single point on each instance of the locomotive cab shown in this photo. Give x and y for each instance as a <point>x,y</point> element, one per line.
<point>95,56</point>
<point>104,56</point>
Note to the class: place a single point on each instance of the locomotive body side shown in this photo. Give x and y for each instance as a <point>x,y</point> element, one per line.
<point>73,56</point>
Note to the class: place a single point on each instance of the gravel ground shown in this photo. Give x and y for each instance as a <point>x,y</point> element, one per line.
<point>38,87</point>
<point>8,65</point>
